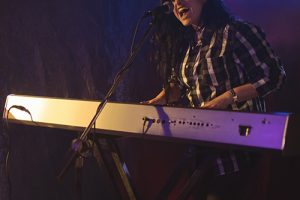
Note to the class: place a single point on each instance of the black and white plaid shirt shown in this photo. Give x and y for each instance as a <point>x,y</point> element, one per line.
<point>220,60</point>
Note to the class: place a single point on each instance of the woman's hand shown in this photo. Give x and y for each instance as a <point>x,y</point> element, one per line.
<point>221,102</point>
<point>160,99</point>
<point>244,93</point>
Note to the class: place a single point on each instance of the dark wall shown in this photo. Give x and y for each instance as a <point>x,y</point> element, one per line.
<point>68,49</point>
<point>72,49</point>
<point>280,21</point>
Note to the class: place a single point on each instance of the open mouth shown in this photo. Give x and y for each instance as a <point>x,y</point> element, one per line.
<point>183,11</point>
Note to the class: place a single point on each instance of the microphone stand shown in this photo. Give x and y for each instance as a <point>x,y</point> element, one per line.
<point>79,143</point>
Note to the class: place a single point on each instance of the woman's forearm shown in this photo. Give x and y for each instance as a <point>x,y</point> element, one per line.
<point>245,92</point>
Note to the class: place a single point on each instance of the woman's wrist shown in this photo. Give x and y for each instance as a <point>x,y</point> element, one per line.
<point>228,97</point>
<point>234,96</point>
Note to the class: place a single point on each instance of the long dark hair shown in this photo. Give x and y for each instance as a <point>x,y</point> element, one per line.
<point>171,37</point>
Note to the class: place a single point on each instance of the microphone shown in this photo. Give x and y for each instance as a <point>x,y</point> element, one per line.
<point>166,8</point>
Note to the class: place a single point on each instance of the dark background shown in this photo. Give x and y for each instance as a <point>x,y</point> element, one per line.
<point>72,49</point>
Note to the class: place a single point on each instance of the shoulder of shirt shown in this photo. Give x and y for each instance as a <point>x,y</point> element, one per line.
<point>244,28</point>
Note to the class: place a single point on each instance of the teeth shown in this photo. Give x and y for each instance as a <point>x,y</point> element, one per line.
<point>182,10</point>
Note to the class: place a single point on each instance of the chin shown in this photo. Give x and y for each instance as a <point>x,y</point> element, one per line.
<point>186,22</point>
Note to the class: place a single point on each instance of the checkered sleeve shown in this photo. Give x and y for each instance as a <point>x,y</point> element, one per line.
<point>262,67</point>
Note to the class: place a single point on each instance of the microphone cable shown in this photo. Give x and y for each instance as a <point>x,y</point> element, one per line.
<point>7,135</point>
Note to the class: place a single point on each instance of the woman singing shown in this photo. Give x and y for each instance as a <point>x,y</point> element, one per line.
<point>209,59</point>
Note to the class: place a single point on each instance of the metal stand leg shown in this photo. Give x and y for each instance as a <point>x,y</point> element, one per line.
<point>201,170</point>
<point>198,175</point>
<point>107,154</point>
<point>78,177</point>
<point>175,176</point>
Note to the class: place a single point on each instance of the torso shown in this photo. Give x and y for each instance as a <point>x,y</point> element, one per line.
<point>210,68</point>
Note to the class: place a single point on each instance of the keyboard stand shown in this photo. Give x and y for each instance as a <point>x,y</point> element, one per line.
<point>107,154</point>
<point>201,171</point>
